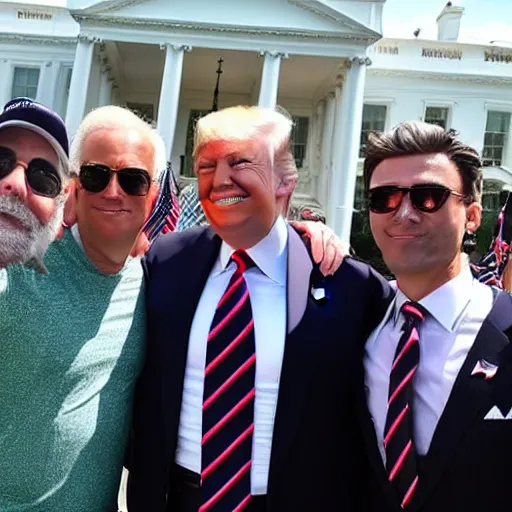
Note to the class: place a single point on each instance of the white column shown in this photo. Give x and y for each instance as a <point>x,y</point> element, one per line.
<point>105,95</point>
<point>47,86</point>
<point>314,150</point>
<point>79,84</point>
<point>93,90</point>
<point>326,153</point>
<point>115,100</point>
<point>53,85</point>
<point>6,78</point>
<point>42,93</point>
<point>270,78</point>
<point>350,110</point>
<point>170,93</point>
<point>337,136</point>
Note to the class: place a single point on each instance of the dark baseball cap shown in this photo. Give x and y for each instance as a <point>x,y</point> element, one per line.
<point>27,113</point>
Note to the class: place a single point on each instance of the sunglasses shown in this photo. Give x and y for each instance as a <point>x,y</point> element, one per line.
<point>42,176</point>
<point>427,198</point>
<point>96,177</point>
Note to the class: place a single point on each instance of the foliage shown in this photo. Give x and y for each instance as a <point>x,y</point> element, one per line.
<point>485,233</point>
<point>363,244</point>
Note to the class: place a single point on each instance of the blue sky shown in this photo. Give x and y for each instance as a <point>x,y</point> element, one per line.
<point>483,20</point>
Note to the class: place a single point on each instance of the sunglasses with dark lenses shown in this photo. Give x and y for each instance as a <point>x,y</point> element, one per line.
<point>427,198</point>
<point>42,176</point>
<point>96,177</point>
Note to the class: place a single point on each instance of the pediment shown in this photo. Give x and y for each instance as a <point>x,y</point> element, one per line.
<point>281,16</point>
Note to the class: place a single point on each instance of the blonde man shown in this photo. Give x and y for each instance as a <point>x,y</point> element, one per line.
<point>244,403</point>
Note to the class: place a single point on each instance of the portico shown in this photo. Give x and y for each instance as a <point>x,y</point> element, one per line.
<point>150,57</point>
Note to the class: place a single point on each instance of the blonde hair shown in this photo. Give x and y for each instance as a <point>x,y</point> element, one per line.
<point>245,123</point>
<point>113,117</point>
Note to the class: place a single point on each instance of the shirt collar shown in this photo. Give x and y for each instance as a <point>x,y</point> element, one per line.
<point>269,254</point>
<point>76,235</point>
<point>447,303</point>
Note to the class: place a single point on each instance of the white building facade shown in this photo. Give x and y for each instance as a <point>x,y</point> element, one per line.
<point>460,86</point>
<point>323,61</point>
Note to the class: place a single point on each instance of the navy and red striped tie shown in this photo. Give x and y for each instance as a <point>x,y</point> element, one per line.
<point>401,462</point>
<point>228,400</point>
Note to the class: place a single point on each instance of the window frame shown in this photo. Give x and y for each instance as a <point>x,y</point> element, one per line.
<point>62,88</point>
<point>435,103</point>
<point>486,197</point>
<point>29,67</point>
<point>188,167</point>
<point>378,102</point>
<point>304,144</point>
<point>505,147</point>
<point>501,106</point>
<point>448,114</point>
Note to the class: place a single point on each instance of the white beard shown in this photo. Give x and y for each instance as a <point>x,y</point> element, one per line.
<point>31,243</point>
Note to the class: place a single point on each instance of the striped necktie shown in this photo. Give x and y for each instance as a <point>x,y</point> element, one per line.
<point>401,463</point>
<point>228,399</point>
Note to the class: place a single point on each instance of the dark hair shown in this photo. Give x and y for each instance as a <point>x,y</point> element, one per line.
<point>418,138</point>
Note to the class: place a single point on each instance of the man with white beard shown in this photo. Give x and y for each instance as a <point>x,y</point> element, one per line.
<point>34,171</point>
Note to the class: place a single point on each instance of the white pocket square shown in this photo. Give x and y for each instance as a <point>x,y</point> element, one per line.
<point>496,414</point>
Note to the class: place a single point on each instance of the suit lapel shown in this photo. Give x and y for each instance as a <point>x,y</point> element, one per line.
<point>185,289</point>
<point>298,277</point>
<point>367,424</point>
<point>371,444</point>
<point>303,318</point>
<point>469,396</point>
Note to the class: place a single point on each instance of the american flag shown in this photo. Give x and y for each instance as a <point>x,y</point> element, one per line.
<point>166,210</point>
<point>489,268</point>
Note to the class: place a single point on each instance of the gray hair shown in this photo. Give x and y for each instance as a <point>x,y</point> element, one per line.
<point>114,117</point>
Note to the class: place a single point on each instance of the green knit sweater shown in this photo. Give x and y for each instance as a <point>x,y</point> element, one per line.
<point>71,348</point>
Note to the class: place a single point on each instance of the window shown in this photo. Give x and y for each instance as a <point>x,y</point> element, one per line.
<point>491,201</point>
<point>437,116</point>
<point>187,167</point>
<point>62,100</point>
<point>299,139</point>
<point>374,119</point>
<point>143,110</point>
<point>496,135</point>
<point>25,82</point>
<point>69,73</point>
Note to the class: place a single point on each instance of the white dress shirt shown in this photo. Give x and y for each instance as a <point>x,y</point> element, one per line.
<point>456,311</point>
<point>267,291</point>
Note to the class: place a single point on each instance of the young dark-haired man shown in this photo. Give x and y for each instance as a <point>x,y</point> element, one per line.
<point>437,415</point>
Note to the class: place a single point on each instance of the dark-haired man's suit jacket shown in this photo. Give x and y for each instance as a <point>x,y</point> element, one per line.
<point>316,447</point>
<point>469,464</point>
